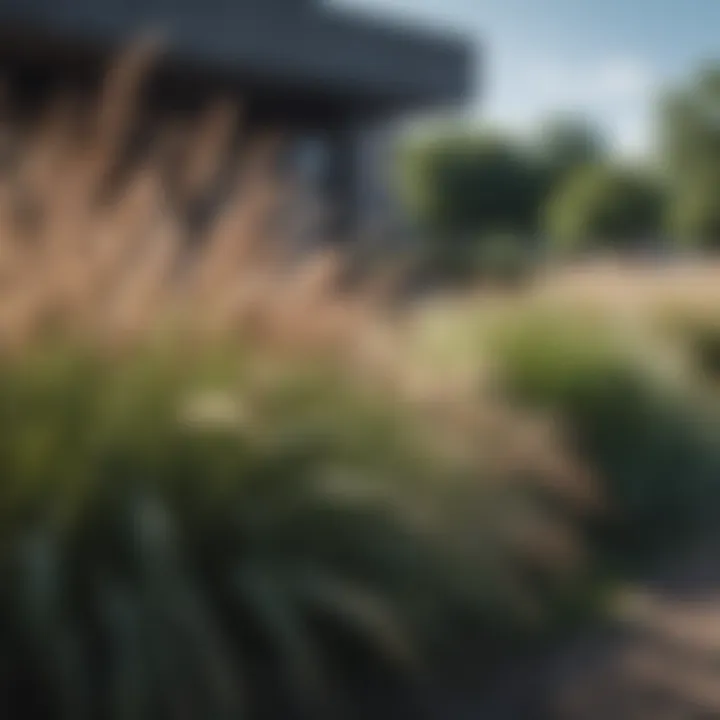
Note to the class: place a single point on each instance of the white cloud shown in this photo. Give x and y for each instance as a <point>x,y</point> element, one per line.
<point>615,91</point>
<point>591,83</point>
<point>624,77</point>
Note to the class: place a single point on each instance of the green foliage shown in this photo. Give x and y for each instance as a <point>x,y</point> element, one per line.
<point>566,144</point>
<point>699,334</point>
<point>649,439</point>
<point>462,184</point>
<point>606,207</point>
<point>192,539</point>
<point>505,259</point>
<point>694,214</point>
<point>689,124</point>
<point>691,151</point>
<point>706,346</point>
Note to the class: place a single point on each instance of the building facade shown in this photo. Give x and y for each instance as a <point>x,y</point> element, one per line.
<point>332,80</point>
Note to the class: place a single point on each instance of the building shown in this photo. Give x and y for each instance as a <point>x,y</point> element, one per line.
<point>332,79</point>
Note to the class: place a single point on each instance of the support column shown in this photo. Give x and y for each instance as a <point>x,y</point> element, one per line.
<point>360,182</point>
<point>343,182</point>
<point>309,167</point>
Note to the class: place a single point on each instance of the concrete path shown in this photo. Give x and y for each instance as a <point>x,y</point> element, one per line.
<point>659,659</point>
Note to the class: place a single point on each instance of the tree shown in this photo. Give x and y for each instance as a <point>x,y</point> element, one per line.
<point>690,130</point>
<point>604,206</point>
<point>694,212</point>
<point>464,184</point>
<point>566,143</point>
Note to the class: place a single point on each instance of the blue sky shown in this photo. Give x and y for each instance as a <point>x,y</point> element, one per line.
<point>603,58</point>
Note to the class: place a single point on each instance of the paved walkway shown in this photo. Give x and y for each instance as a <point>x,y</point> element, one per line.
<point>658,659</point>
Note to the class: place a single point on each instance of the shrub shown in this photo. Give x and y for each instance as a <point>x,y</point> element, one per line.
<point>705,346</point>
<point>653,445</point>
<point>174,537</point>
<point>220,493</point>
<point>505,259</point>
<point>698,332</point>
<point>694,216</point>
<point>602,207</point>
<point>501,259</point>
<point>462,182</point>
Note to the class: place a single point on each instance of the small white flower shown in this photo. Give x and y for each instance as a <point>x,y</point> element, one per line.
<point>214,409</point>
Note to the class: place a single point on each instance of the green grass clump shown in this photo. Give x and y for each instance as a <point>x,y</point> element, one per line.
<point>699,334</point>
<point>644,431</point>
<point>186,539</point>
<point>705,346</point>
